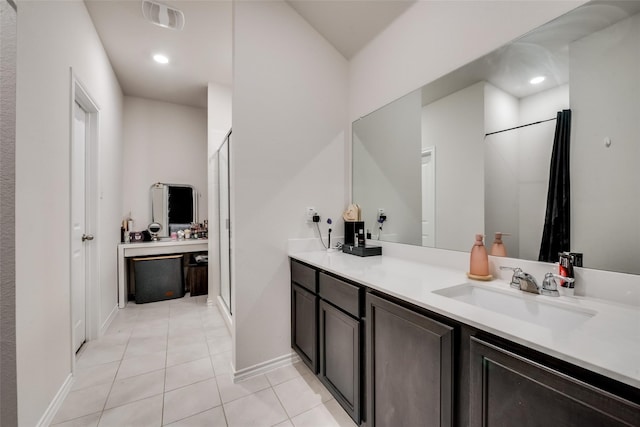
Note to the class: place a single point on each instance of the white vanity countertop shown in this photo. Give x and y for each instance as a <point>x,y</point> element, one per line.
<point>163,242</point>
<point>607,343</point>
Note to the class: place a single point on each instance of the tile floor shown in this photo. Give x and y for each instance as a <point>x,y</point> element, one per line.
<point>168,364</point>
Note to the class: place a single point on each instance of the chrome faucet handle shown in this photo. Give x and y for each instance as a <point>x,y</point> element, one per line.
<point>515,279</point>
<point>550,286</point>
<point>528,283</point>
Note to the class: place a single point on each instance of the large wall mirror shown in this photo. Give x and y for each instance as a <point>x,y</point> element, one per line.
<point>471,152</point>
<point>173,206</point>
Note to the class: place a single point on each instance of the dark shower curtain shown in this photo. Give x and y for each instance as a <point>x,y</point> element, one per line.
<point>556,231</point>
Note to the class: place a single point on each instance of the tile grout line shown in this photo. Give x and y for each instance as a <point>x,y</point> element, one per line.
<point>281,404</point>
<point>115,376</point>
<point>174,312</point>
<point>224,413</point>
<point>166,361</point>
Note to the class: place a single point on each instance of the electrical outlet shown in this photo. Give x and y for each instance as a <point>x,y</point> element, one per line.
<point>310,212</point>
<point>382,217</point>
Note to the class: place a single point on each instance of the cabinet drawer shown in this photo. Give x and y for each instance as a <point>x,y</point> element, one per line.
<point>304,276</point>
<point>341,294</point>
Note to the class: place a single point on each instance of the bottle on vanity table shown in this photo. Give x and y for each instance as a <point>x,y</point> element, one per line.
<point>479,262</point>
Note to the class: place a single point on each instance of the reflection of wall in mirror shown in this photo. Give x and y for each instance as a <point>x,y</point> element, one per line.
<point>605,98</point>
<point>160,206</point>
<point>535,145</point>
<point>501,111</point>
<point>386,172</point>
<point>517,166</point>
<point>509,194</point>
<point>454,125</point>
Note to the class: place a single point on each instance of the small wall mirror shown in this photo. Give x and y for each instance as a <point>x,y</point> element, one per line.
<point>154,229</point>
<point>173,206</point>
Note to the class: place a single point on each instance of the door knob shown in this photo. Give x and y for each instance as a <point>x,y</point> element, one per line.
<point>87,237</point>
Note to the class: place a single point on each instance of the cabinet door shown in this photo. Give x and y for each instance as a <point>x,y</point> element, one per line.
<point>340,357</point>
<point>409,367</point>
<point>304,325</point>
<point>510,390</point>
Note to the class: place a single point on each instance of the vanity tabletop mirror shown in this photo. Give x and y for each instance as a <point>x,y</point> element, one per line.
<point>173,207</point>
<point>471,152</point>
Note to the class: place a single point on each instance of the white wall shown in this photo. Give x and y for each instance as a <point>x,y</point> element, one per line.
<point>289,121</point>
<point>387,169</point>
<point>218,114</point>
<point>163,142</point>
<point>433,38</point>
<point>47,47</point>
<point>454,125</point>
<point>604,100</point>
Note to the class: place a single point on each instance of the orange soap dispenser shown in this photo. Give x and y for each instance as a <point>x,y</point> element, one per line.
<point>479,265</point>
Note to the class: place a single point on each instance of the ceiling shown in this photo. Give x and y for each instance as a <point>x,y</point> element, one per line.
<point>199,54</point>
<point>202,51</point>
<point>542,52</point>
<point>349,25</point>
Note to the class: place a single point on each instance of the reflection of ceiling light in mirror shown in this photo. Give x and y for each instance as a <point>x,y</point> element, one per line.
<point>537,80</point>
<point>160,59</point>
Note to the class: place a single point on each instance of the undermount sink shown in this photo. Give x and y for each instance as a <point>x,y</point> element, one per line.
<point>520,305</point>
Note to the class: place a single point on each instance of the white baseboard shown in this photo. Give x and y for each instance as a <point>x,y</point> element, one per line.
<point>56,403</point>
<point>225,314</point>
<point>107,323</point>
<point>269,365</point>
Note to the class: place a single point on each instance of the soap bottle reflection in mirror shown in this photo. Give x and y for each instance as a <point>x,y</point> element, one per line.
<point>498,248</point>
<point>479,265</point>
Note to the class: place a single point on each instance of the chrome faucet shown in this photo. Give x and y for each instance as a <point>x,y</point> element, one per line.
<point>515,279</point>
<point>550,286</point>
<point>526,282</point>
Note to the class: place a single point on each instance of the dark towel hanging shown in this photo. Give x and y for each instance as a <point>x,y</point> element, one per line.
<point>556,232</point>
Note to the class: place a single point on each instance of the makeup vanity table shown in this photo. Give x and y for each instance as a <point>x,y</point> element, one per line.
<point>162,247</point>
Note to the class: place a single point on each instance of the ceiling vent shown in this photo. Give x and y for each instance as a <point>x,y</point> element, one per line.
<point>162,15</point>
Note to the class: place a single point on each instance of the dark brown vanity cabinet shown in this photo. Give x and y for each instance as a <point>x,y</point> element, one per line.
<point>508,389</point>
<point>391,363</point>
<point>410,367</point>
<point>304,313</point>
<point>340,337</point>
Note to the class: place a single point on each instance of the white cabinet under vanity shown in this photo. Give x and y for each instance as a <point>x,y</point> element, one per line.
<point>417,357</point>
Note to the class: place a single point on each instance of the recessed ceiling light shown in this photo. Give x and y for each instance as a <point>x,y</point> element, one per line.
<point>160,59</point>
<point>537,80</point>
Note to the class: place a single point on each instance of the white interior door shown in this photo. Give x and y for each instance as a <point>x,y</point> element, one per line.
<point>428,198</point>
<point>225,237</point>
<point>78,219</point>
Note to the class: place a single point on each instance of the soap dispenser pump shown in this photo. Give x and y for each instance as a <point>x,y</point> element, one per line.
<point>479,265</point>
<point>498,248</point>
